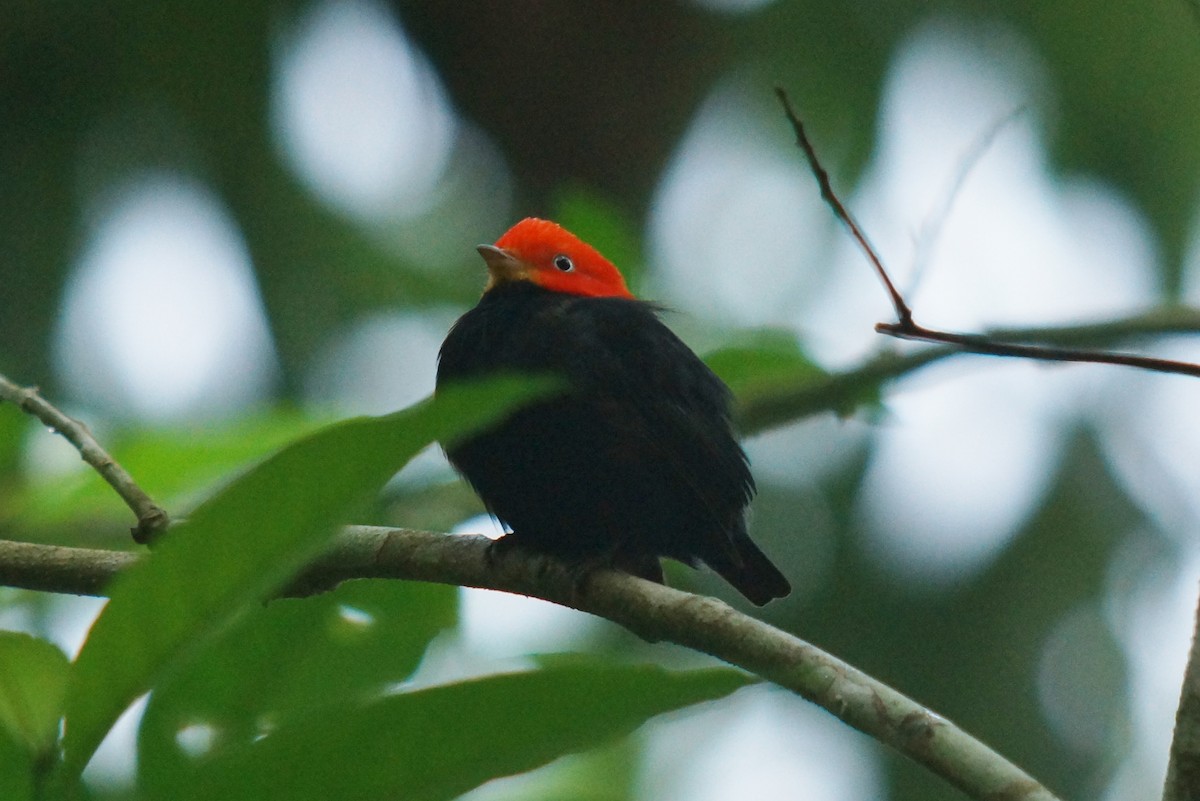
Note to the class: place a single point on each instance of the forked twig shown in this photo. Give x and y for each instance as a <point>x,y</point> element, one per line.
<point>903,313</point>
<point>152,519</point>
<point>906,327</point>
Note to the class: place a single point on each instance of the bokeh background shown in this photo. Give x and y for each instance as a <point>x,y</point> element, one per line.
<point>223,223</point>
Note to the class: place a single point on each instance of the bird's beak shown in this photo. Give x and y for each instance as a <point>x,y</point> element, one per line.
<point>502,266</point>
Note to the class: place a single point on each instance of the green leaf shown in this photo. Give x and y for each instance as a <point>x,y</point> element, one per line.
<point>176,466</point>
<point>16,769</point>
<point>247,541</point>
<point>33,678</point>
<point>762,361</point>
<point>283,661</point>
<point>440,742</point>
<point>12,426</point>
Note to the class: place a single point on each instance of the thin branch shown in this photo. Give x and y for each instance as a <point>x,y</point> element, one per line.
<point>652,611</point>
<point>907,328</point>
<point>1183,767</point>
<point>845,391</point>
<point>152,519</point>
<point>976,343</point>
<point>1150,324</point>
<point>902,310</point>
<point>931,231</point>
<point>841,393</point>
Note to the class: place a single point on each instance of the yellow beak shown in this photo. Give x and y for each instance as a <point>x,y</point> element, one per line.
<point>502,266</point>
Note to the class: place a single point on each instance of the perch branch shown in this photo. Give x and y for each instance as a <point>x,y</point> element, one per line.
<point>652,611</point>
<point>151,518</point>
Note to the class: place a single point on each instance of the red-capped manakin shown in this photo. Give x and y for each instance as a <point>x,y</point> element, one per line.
<point>638,460</point>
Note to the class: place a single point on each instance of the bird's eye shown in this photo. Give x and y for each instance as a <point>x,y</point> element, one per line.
<point>564,263</point>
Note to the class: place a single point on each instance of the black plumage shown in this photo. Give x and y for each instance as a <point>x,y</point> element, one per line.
<point>638,461</point>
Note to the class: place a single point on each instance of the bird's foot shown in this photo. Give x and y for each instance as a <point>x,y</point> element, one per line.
<point>499,549</point>
<point>509,546</point>
<point>581,569</point>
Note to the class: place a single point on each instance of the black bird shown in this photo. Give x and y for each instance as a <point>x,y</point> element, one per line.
<point>638,460</point>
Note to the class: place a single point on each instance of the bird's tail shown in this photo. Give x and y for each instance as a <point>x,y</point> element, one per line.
<point>749,570</point>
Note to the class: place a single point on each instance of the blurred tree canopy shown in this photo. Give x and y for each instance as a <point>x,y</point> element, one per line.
<point>587,102</point>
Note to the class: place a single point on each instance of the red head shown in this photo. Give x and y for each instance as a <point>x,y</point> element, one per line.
<point>546,254</point>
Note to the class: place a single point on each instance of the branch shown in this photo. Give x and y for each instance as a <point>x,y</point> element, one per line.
<point>902,311</point>
<point>652,611</point>
<point>906,326</point>
<point>59,568</point>
<point>1183,768</point>
<point>151,518</point>
<point>988,346</point>
<point>843,392</point>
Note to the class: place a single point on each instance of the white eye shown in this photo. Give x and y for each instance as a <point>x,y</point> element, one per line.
<point>564,263</point>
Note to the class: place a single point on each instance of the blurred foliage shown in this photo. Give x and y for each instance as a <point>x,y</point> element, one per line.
<point>181,466</point>
<point>31,695</point>
<point>265,526</point>
<point>413,744</point>
<point>272,668</point>
<point>587,102</point>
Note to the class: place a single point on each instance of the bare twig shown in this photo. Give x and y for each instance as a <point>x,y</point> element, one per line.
<point>152,519</point>
<point>931,230</point>
<point>652,611</point>
<point>1183,768</point>
<point>902,311</point>
<point>845,391</point>
<point>982,344</point>
<point>990,345</point>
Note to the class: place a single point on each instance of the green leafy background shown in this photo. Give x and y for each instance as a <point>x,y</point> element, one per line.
<point>187,87</point>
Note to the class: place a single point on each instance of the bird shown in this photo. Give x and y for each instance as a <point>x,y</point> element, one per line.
<point>637,460</point>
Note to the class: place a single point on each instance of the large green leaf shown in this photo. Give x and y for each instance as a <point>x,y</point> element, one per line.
<point>174,465</point>
<point>16,769</point>
<point>33,677</point>
<point>244,543</point>
<point>12,424</point>
<point>440,742</point>
<point>285,660</point>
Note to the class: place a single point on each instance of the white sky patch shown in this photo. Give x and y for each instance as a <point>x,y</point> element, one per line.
<point>955,471</point>
<point>1155,628</point>
<point>162,318</point>
<point>802,453</point>
<point>1017,246</point>
<point>736,225</point>
<point>380,363</point>
<point>360,113</point>
<point>960,464</point>
<point>1150,444</point>
<point>760,744</point>
<point>500,625</point>
<point>1153,446</point>
<point>114,764</point>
